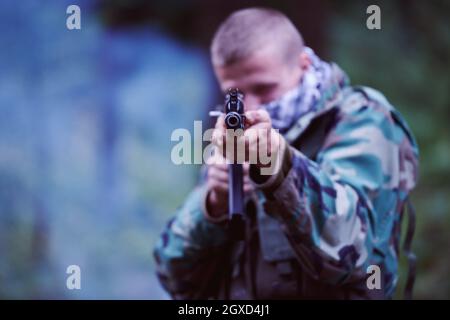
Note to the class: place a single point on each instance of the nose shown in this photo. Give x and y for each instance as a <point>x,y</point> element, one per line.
<point>251,102</point>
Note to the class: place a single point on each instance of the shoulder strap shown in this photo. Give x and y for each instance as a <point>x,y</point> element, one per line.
<point>408,251</point>
<point>312,139</point>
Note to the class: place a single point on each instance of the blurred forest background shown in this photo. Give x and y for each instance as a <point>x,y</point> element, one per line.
<point>86,117</point>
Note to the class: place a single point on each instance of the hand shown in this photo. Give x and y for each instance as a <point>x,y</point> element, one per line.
<point>260,144</point>
<point>217,184</point>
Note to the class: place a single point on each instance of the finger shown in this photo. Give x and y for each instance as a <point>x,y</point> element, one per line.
<point>218,186</point>
<point>218,137</point>
<point>247,180</point>
<point>263,125</point>
<point>246,168</point>
<point>217,161</point>
<point>256,116</point>
<point>248,188</point>
<point>262,138</point>
<point>218,174</point>
<point>220,123</point>
<point>251,147</point>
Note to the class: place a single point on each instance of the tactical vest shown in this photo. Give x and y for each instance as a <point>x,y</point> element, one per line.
<point>269,270</point>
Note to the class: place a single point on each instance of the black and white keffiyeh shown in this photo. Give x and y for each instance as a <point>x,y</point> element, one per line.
<point>319,77</point>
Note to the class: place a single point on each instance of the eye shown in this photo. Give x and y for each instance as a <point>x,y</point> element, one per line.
<point>265,91</point>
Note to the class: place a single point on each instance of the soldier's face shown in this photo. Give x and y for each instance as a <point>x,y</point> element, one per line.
<point>263,77</point>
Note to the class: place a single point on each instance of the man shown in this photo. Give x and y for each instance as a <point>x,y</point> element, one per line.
<point>347,162</point>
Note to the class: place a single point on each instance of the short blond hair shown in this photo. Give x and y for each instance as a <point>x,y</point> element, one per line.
<point>248,30</point>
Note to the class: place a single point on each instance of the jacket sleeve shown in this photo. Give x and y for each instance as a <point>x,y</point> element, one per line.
<point>188,251</point>
<point>327,207</point>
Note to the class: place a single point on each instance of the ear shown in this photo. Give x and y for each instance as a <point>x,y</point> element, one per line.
<point>304,60</point>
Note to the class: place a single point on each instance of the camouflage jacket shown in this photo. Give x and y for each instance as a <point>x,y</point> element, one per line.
<point>339,209</point>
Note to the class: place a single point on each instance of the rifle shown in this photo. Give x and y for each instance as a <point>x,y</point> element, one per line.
<point>234,119</point>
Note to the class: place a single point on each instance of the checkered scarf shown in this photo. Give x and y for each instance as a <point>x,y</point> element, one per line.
<point>319,77</point>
